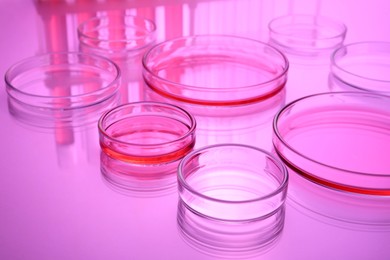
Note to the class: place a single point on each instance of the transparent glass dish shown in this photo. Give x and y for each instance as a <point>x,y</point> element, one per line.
<point>142,144</point>
<point>116,35</point>
<point>362,66</point>
<point>62,89</point>
<point>232,182</point>
<point>306,35</point>
<point>147,133</point>
<point>337,140</point>
<point>215,70</point>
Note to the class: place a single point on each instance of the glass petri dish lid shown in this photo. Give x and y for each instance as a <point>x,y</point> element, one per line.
<point>338,140</point>
<point>215,70</point>
<point>232,182</point>
<point>306,35</point>
<point>362,66</point>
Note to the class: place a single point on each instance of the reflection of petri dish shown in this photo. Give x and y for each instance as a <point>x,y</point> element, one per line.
<point>227,239</point>
<point>147,133</point>
<point>345,210</point>
<point>306,35</point>
<point>232,182</point>
<point>338,140</point>
<point>215,70</point>
<point>136,180</point>
<point>362,66</point>
<point>60,88</point>
<point>113,34</point>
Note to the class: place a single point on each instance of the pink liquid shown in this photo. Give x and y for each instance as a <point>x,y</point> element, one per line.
<point>148,139</point>
<point>217,80</point>
<point>350,148</point>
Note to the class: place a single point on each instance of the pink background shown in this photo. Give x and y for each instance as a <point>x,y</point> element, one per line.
<point>54,202</point>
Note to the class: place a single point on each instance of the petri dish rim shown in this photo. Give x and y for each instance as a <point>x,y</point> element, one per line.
<point>282,186</point>
<point>323,19</point>
<point>344,48</point>
<point>44,56</point>
<point>283,141</point>
<point>148,22</point>
<point>220,36</point>
<point>190,131</point>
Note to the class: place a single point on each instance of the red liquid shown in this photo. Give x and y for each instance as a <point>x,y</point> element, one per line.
<point>216,80</point>
<point>346,149</point>
<point>148,140</point>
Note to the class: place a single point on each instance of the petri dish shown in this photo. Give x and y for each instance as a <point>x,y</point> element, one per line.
<point>306,35</point>
<point>215,70</point>
<point>338,140</point>
<point>232,182</point>
<point>361,66</point>
<point>147,133</point>
<point>123,38</point>
<point>61,89</point>
<point>117,35</point>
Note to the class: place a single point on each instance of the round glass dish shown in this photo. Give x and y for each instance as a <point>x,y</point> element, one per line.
<point>115,34</point>
<point>306,35</point>
<point>232,182</point>
<point>215,70</point>
<point>338,140</point>
<point>58,88</point>
<point>363,66</point>
<point>147,133</point>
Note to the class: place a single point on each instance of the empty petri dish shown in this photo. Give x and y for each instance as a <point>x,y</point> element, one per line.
<point>116,35</point>
<point>232,182</point>
<point>147,133</point>
<point>57,89</point>
<point>215,70</point>
<point>306,35</point>
<point>361,66</point>
<point>338,140</point>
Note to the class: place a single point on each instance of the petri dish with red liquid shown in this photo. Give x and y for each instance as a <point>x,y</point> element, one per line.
<point>338,140</point>
<point>64,89</point>
<point>361,66</point>
<point>215,70</point>
<point>232,182</point>
<point>147,133</point>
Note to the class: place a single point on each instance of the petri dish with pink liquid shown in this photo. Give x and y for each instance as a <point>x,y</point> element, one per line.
<point>361,66</point>
<point>337,140</point>
<point>232,182</point>
<point>63,89</point>
<point>215,70</point>
<point>143,142</point>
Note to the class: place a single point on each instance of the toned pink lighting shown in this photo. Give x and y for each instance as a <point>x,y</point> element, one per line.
<point>195,129</point>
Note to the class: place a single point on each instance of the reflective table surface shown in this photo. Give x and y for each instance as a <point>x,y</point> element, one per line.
<point>56,203</point>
